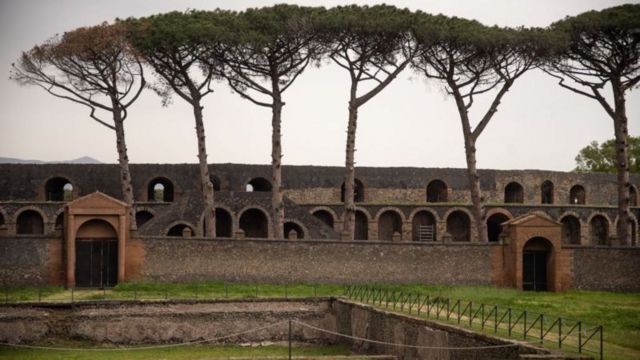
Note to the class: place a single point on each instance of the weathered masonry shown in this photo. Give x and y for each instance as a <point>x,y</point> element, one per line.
<point>64,224</point>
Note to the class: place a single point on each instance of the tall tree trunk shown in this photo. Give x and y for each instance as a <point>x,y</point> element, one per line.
<point>123,162</point>
<point>622,163</point>
<point>276,167</point>
<point>350,171</point>
<point>205,180</point>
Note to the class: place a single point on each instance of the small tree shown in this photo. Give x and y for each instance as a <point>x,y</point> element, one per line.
<point>374,44</point>
<point>179,47</point>
<point>603,49</point>
<point>271,48</point>
<point>602,157</point>
<point>472,60</point>
<point>94,67</point>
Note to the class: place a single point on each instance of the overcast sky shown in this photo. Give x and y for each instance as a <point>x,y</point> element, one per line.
<point>411,123</point>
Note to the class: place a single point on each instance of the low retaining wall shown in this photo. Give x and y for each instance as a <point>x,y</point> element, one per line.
<point>604,268</point>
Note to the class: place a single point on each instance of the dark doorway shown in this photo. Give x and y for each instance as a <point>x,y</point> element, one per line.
<point>361,226</point>
<point>254,223</point>
<point>437,191</point>
<point>96,262</point>
<point>358,191</point>
<point>423,226</point>
<point>289,226</point>
<point>535,256</point>
<point>223,223</point>
<point>389,223</point>
<point>494,226</point>
<point>325,217</point>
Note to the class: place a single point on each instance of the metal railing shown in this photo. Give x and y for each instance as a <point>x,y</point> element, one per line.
<point>563,333</point>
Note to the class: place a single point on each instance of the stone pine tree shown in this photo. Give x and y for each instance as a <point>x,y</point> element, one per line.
<point>471,60</point>
<point>603,50</point>
<point>179,47</point>
<point>271,47</point>
<point>94,67</point>
<point>374,44</point>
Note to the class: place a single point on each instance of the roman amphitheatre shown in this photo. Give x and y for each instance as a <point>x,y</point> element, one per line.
<point>365,259</point>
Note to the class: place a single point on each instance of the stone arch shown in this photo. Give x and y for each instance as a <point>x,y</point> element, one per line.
<point>437,191</point>
<point>634,228</point>
<point>538,263</point>
<point>254,221</point>
<point>177,228</point>
<point>30,220</point>
<point>325,214</point>
<point>423,217</point>
<point>633,196</point>
<point>571,228</point>
<point>495,217</point>
<point>358,191</point>
<point>215,181</point>
<point>258,184</point>
<point>224,222</point>
<point>362,224</point>
<point>577,195</point>
<point>389,221</point>
<point>160,189</point>
<point>459,225</point>
<point>513,193</point>
<point>599,228</point>
<point>298,227</point>
<point>59,222</point>
<point>547,192</point>
<point>96,253</point>
<point>3,217</point>
<point>58,188</point>
<point>144,215</point>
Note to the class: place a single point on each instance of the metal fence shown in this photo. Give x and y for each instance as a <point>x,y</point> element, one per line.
<point>563,333</point>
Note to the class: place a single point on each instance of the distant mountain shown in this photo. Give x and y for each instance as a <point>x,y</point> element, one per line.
<point>81,160</point>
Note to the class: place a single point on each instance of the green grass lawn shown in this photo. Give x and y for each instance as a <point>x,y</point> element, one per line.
<point>181,352</point>
<point>619,313</point>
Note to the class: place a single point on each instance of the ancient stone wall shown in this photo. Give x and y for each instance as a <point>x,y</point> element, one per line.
<point>602,268</point>
<point>26,260</point>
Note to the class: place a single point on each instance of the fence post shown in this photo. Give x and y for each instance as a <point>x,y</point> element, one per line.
<point>559,333</point>
<point>580,337</point>
<point>471,314</point>
<point>510,322</point>
<point>289,339</point>
<point>71,295</point>
<point>448,308</point>
<point>525,325</point>
<point>541,328</point>
<point>495,319</point>
<point>601,339</point>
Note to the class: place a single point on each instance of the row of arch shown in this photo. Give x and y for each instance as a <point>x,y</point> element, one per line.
<point>162,189</point>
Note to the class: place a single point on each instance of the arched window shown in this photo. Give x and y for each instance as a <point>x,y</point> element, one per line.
<point>142,217</point>
<point>29,222</point>
<point>179,230</point>
<point>437,191</point>
<point>215,181</point>
<point>358,191</point>
<point>291,226</point>
<point>324,216</point>
<point>458,226</point>
<point>546,192</point>
<point>494,226</point>
<point>423,226</point>
<point>223,223</point>
<point>254,223</point>
<point>160,189</point>
<point>361,226</point>
<point>633,196</point>
<point>58,189</point>
<point>389,223</point>
<point>513,193</point>
<point>577,195</point>
<point>258,184</point>
<point>570,230</point>
<point>1,219</point>
<point>599,230</point>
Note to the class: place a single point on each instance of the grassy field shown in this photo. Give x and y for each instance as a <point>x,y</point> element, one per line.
<point>619,313</point>
<point>182,353</point>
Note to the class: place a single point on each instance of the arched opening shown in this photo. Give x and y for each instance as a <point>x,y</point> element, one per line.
<point>361,226</point>
<point>223,223</point>
<point>423,226</point>
<point>59,221</point>
<point>437,191</point>
<point>254,223</point>
<point>546,192</point>
<point>458,226</point>
<point>633,196</point>
<point>143,217</point>
<point>258,184</point>
<point>96,254</point>
<point>58,189</point>
<point>570,230</point>
<point>215,181</point>
<point>161,190</point>
<point>29,222</point>
<point>389,223</point>
<point>494,226</point>
<point>535,261</point>
<point>291,226</point>
<point>513,193</point>
<point>358,191</point>
<point>1,219</point>
<point>577,195</point>
<point>599,230</point>
<point>324,216</point>
<point>178,230</point>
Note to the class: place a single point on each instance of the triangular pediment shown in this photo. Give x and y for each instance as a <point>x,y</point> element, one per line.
<point>532,219</point>
<point>96,200</point>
